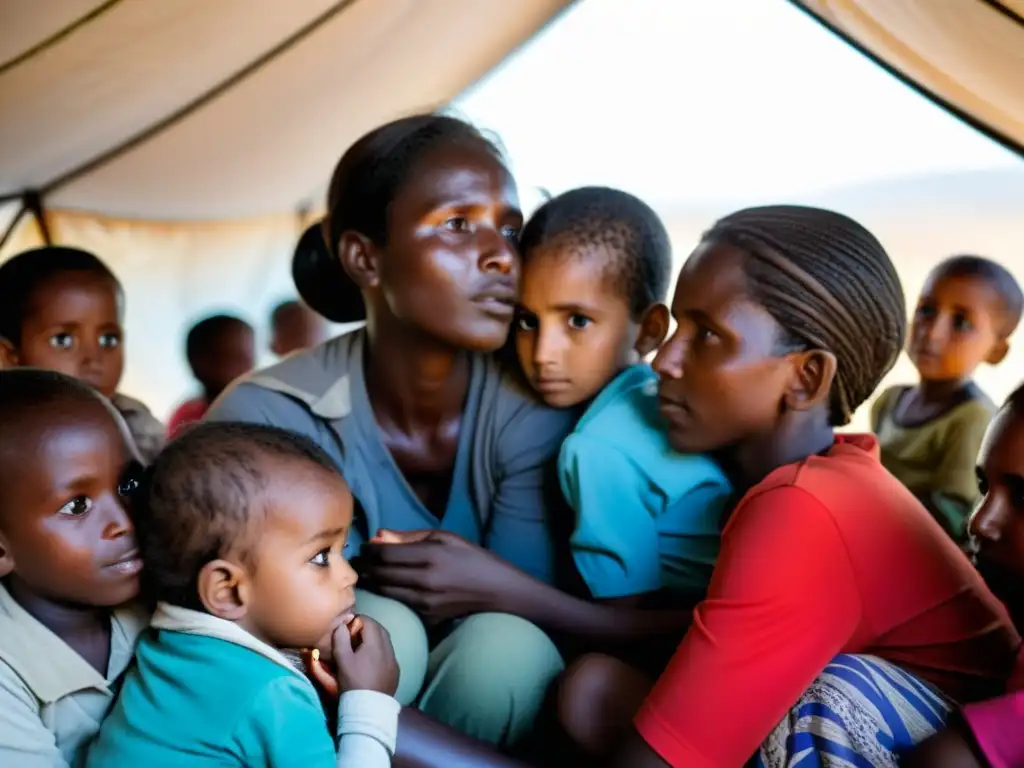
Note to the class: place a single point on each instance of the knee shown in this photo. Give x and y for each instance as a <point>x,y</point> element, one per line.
<point>597,698</point>
<point>408,638</point>
<point>490,676</point>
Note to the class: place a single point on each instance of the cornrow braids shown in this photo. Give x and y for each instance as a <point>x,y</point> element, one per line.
<point>831,286</point>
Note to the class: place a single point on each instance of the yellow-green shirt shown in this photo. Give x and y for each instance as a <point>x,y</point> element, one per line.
<point>936,460</point>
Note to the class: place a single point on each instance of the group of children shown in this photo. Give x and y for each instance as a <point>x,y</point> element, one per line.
<point>710,500</point>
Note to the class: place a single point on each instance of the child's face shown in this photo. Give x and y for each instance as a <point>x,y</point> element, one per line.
<point>998,523</point>
<point>298,329</point>
<point>954,328</point>
<point>722,379</point>
<point>573,332</point>
<point>450,268</point>
<point>232,354</point>
<point>300,586</point>
<point>73,326</point>
<point>66,535</point>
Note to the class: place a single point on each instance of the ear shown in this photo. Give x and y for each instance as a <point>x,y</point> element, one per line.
<point>224,589</point>
<point>8,355</point>
<point>998,352</point>
<point>6,559</point>
<point>359,258</point>
<point>811,381</point>
<point>653,330</point>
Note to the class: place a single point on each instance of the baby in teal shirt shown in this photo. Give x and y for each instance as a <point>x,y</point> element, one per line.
<point>596,269</point>
<point>241,529</point>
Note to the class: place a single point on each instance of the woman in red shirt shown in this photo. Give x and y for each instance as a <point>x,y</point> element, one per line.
<point>788,318</point>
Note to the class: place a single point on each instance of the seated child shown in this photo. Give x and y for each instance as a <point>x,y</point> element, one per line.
<point>219,349</point>
<point>69,566</point>
<point>294,327</point>
<point>242,528</point>
<point>597,264</point>
<point>930,433</point>
<point>61,309</point>
<point>992,733</point>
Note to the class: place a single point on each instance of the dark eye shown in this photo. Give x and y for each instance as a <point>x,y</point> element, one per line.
<point>457,224</point>
<point>926,310</point>
<point>704,334</point>
<point>131,480</point>
<point>526,323</point>
<point>578,322</point>
<point>110,340</point>
<point>322,558</point>
<point>76,507</point>
<point>510,233</point>
<point>982,482</point>
<point>62,341</point>
<point>961,323</point>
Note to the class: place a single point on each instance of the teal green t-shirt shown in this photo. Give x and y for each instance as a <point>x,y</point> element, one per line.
<point>647,518</point>
<point>194,700</point>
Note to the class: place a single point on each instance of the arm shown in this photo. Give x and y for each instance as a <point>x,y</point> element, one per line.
<point>24,740</point>
<point>426,743</point>
<point>955,488</point>
<point>782,603</point>
<point>367,729</point>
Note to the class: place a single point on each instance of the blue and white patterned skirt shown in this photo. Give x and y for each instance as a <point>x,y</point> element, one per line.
<point>861,712</point>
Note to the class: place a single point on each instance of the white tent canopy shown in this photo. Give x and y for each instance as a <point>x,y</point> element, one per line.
<point>186,110</point>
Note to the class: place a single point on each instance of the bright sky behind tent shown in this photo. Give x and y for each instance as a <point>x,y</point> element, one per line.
<point>687,101</point>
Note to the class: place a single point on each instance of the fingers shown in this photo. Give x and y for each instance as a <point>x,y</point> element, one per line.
<point>418,554</point>
<point>327,682</point>
<point>341,642</point>
<point>375,636</point>
<point>386,536</point>
<point>382,576</point>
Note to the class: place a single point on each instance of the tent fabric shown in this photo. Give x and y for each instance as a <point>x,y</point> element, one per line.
<point>198,110</point>
<point>968,55</point>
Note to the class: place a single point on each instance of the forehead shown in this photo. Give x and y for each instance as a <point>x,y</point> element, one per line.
<point>970,293</point>
<point>712,278</point>
<point>53,446</point>
<point>68,294</point>
<point>1002,450</point>
<point>303,499</point>
<point>455,174</point>
<point>566,275</point>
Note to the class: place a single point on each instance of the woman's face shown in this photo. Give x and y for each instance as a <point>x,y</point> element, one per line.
<point>721,381</point>
<point>450,266</point>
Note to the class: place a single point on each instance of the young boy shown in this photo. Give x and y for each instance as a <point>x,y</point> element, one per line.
<point>930,433</point>
<point>242,528</point>
<point>294,327</point>
<point>61,309</point>
<point>219,349</point>
<point>597,264</point>
<point>69,566</point>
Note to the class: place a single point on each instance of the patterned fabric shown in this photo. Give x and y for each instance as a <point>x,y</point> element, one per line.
<point>861,712</point>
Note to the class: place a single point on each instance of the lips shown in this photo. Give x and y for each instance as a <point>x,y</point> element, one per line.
<point>552,385</point>
<point>498,299</point>
<point>127,564</point>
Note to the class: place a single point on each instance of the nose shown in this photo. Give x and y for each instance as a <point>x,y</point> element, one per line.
<point>496,253</point>
<point>934,332</point>
<point>546,346</point>
<point>668,362</point>
<point>988,520</point>
<point>347,575</point>
<point>118,522</point>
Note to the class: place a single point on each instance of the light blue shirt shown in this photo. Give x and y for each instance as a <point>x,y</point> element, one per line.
<point>647,518</point>
<point>203,692</point>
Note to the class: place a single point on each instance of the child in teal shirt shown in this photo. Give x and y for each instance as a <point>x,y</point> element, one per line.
<point>596,268</point>
<point>241,529</point>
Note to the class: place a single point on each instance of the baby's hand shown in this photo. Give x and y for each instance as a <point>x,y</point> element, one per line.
<point>365,658</point>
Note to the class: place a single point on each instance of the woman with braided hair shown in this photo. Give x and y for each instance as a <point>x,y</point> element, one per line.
<point>836,597</point>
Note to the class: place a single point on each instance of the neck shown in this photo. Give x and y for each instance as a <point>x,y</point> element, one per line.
<point>65,620</point>
<point>417,381</point>
<point>751,461</point>
<point>933,392</point>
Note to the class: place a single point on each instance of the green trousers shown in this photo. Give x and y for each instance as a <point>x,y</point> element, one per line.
<point>487,677</point>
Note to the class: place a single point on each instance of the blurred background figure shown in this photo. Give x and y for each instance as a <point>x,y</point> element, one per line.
<point>294,327</point>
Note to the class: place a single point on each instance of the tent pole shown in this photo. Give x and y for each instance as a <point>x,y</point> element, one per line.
<point>13,226</point>
<point>34,204</point>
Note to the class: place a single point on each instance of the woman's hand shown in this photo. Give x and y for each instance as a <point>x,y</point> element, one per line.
<point>436,573</point>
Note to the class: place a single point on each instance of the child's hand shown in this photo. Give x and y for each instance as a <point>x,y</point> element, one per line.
<point>365,657</point>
